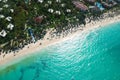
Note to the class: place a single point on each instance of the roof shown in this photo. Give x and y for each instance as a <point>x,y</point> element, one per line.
<point>94,9</point>
<point>38,19</point>
<point>3,33</point>
<point>106,5</point>
<point>8,18</point>
<point>10,26</point>
<point>80,5</point>
<point>99,5</point>
<point>90,1</point>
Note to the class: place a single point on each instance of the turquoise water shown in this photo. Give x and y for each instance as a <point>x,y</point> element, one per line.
<point>93,55</point>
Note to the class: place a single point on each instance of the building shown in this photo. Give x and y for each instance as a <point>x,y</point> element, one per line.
<point>80,5</point>
<point>99,5</point>
<point>3,33</point>
<point>38,19</point>
<point>90,1</point>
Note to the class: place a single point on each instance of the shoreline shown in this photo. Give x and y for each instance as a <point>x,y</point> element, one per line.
<point>12,58</point>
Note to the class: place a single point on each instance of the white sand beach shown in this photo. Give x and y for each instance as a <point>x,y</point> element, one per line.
<point>25,52</point>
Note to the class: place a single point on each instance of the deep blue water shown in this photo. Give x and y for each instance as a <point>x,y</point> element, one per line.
<point>92,55</point>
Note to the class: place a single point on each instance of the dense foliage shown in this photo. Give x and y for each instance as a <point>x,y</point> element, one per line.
<point>55,14</point>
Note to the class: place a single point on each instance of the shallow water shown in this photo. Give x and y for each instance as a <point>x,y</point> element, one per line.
<point>93,55</point>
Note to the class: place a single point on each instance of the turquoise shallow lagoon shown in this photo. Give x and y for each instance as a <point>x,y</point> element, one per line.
<point>93,55</point>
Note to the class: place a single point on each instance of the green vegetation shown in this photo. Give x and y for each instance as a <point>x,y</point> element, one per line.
<point>55,14</point>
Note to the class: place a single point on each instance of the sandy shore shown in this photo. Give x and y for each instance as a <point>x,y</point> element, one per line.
<point>10,58</point>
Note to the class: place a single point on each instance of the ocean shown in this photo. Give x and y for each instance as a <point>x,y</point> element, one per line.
<point>91,55</point>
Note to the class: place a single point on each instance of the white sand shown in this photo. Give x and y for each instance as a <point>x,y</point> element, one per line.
<point>25,52</point>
